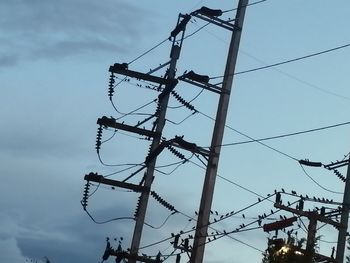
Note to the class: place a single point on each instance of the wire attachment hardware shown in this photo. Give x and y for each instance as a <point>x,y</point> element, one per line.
<point>182,101</point>
<point>163,202</point>
<point>175,152</point>
<point>339,175</point>
<point>84,201</point>
<point>111,85</point>
<point>98,138</point>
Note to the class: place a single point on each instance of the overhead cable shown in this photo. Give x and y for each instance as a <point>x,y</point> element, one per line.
<point>257,141</point>
<point>289,60</point>
<point>289,134</point>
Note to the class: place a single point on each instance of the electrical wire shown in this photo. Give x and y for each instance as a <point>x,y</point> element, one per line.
<point>107,221</point>
<point>288,134</point>
<point>183,120</point>
<point>299,80</point>
<point>159,227</point>
<point>251,138</point>
<point>139,108</point>
<point>288,61</point>
<point>319,185</point>
<point>122,170</point>
<point>254,3</point>
<point>148,51</point>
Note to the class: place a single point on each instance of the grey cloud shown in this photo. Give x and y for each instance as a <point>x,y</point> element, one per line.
<point>52,29</point>
<point>7,60</point>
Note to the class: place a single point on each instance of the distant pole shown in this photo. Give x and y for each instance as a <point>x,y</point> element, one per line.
<point>209,181</point>
<point>344,220</point>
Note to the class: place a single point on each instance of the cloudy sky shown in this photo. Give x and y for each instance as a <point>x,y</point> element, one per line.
<point>54,60</point>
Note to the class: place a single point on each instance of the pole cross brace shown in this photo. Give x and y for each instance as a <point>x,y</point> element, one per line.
<point>112,123</point>
<point>215,21</point>
<point>123,70</point>
<point>337,164</point>
<point>94,177</point>
<point>310,215</point>
<point>206,86</point>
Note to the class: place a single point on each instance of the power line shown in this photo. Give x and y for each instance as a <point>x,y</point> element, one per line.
<point>257,141</point>
<point>324,188</point>
<point>254,3</point>
<point>289,134</point>
<point>298,79</point>
<point>288,61</point>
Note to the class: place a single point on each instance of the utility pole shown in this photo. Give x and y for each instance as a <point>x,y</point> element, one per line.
<point>344,219</point>
<point>163,103</point>
<point>149,174</point>
<point>217,137</point>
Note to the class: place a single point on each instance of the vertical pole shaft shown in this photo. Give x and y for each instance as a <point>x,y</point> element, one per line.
<point>311,239</point>
<point>344,219</point>
<point>217,137</point>
<point>149,175</point>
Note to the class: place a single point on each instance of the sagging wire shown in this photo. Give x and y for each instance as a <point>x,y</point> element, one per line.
<point>183,120</point>
<point>163,224</point>
<point>318,184</point>
<point>84,203</point>
<point>179,164</point>
<point>109,220</point>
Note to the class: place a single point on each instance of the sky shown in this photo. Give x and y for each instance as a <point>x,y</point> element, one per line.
<point>54,60</point>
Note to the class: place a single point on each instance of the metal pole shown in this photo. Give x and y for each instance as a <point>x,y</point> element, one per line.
<point>344,219</point>
<point>149,175</point>
<point>209,181</point>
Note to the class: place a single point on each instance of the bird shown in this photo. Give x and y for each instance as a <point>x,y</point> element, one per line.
<point>243,215</point>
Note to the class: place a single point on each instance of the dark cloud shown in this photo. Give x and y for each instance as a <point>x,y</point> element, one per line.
<point>76,240</point>
<point>57,29</point>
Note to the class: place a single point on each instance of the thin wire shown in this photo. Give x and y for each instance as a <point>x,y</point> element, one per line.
<point>254,3</point>
<point>123,170</point>
<point>242,187</point>
<point>139,108</point>
<point>167,218</point>
<point>299,80</point>
<point>183,120</point>
<point>288,61</point>
<point>288,134</point>
<point>107,221</point>
<point>172,171</point>
<point>328,190</point>
<point>148,51</point>
<point>247,136</point>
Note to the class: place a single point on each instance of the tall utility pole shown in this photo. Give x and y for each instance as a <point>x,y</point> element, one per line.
<point>160,123</point>
<point>217,137</point>
<point>344,219</point>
